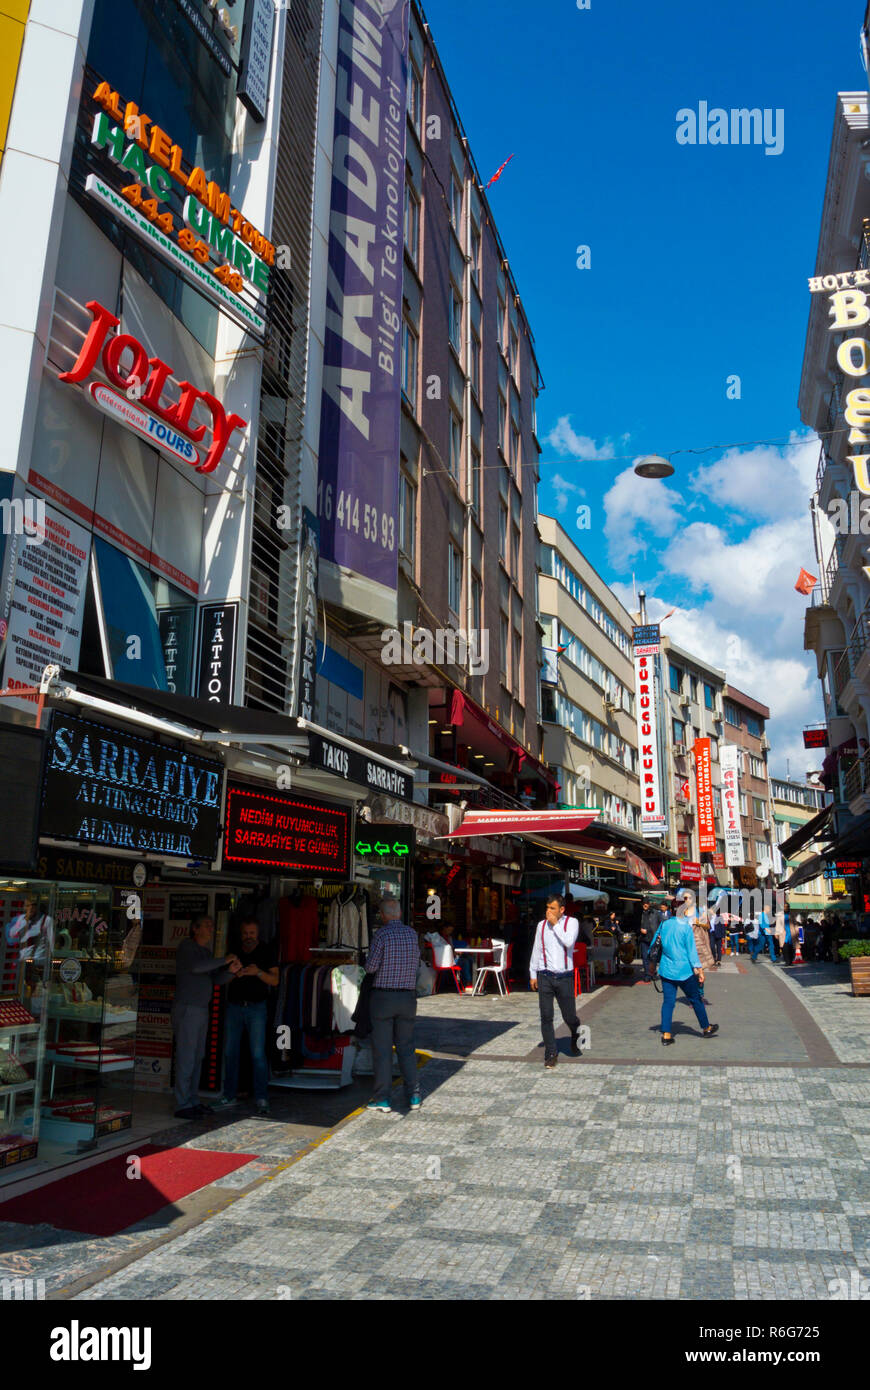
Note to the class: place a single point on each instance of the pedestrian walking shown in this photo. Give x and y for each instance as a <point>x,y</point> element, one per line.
<point>650,921</point>
<point>551,972</point>
<point>765,926</point>
<point>247,994</point>
<point>735,927</point>
<point>790,944</point>
<point>701,933</point>
<point>780,930</point>
<point>197,971</point>
<point>680,968</point>
<point>392,961</point>
<point>752,932</point>
<point>717,936</point>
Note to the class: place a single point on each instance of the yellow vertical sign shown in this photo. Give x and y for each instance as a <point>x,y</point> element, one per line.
<point>13,18</point>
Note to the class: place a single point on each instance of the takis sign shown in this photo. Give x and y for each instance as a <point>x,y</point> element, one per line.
<point>138,407</point>
<point>212,229</point>
<point>849,309</point>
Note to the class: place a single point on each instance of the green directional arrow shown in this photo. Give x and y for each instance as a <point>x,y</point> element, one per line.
<point>399,848</point>
<point>362,848</point>
<point>381,849</point>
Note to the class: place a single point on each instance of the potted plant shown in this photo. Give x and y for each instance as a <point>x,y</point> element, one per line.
<point>857,953</point>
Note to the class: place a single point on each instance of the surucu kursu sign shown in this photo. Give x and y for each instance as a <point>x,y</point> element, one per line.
<point>138,402</point>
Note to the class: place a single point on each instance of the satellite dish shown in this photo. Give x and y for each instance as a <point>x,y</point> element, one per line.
<point>762,871</point>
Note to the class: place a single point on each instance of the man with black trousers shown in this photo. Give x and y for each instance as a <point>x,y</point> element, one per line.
<point>551,970</point>
<point>650,918</point>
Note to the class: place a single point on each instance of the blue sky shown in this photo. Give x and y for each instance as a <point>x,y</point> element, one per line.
<point>699,257</point>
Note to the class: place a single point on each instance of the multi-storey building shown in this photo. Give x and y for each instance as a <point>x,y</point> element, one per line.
<point>587,694</point>
<point>694,692</point>
<point>800,869</point>
<point>430,640</point>
<point>743,726</point>
<point>837,623</point>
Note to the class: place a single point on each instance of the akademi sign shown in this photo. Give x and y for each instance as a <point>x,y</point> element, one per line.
<point>166,425</point>
<point>647,645</point>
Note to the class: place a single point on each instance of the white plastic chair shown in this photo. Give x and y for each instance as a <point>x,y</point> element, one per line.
<point>498,968</point>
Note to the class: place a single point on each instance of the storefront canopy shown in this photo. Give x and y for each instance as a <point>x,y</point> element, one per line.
<point>810,831</point>
<point>559,824</point>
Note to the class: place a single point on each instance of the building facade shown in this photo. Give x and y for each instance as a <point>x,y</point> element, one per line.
<point>837,622</point>
<point>744,722</point>
<point>694,695</point>
<point>587,695</point>
<point>795,804</point>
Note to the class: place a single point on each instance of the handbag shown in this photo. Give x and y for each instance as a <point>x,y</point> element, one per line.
<point>656,951</point>
<point>425,979</point>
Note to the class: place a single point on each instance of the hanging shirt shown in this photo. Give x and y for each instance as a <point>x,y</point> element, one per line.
<point>554,946</point>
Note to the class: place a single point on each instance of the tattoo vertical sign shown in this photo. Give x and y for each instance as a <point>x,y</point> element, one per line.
<point>358,486</point>
<point>307,616</point>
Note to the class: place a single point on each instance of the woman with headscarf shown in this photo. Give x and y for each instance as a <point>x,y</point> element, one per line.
<point>680,968</point>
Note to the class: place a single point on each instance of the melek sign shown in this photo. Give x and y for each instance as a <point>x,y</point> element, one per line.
<point>265,830</point>
<point>105,787</point>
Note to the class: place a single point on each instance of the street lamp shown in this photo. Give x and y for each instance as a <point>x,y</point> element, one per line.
<point>653,466</point>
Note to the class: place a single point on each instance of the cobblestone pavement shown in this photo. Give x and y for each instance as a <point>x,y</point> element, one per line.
<point>703,1176</point>
<point>734,1168</point>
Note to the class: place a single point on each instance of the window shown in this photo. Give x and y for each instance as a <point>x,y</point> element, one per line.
<point>502,320</point>
<point>502,531</point>
<point>761,852</point>
<point>759,809</point>
<point>714,749</point>
<point>756,767</point>
<point>504,638</point>
<point>515,354</point>
<point>754,725</point>
<point>732,714</point>
<point>407,515</point>
<point>677,729</point>
<point>456,204</point>
<point>515,552</point>
<point>709,702</point>
<point>693,686</point>
<point>515,449</point>
<point>455,323</point>
<point>455,446</point>
<point>696,734</point>
<point>676,679</point>
<point>477,602</point>
<point>135,600</point>
<point>745,849</point>
<point>415,98</point>
<point>412,220</point>
<point>720,846</point>
<point>517,664</point>
<point>454,579</point>
<point>744,804</point>
<point>475,479</point>
<point>502,423</point>
<point>409,363</point>
<point>474,364</point>
<point>717,802</point>
<point>475,254</point>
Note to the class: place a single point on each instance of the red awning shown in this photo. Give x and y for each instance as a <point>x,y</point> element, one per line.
<point>560,823</point>
<point>463,712</point>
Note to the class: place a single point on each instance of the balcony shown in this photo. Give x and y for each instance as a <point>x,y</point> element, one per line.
<point>856,785</point>
<point>858,641</point>
<point>824,460</point>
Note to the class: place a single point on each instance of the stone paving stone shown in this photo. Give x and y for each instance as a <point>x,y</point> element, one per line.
<point>476,1262</point>
<point>487,1214</point>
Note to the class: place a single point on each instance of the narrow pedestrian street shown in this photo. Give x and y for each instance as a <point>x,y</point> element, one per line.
<point>734,1167</point>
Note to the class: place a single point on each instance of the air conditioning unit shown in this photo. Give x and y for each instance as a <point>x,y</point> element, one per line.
<point>685,700</point>
<point>765,741</point>
<point>679,748</point>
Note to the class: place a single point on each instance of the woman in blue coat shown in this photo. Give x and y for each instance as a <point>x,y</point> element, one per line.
<point>680,968</point>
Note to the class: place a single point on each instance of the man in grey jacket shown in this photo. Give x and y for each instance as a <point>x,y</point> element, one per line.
<point>196,973</point>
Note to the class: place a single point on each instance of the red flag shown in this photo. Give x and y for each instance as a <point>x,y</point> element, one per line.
<point>498,173</point>
<point>805,582</point>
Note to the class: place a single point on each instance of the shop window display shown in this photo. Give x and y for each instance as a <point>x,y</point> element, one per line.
<point>68,1002</point>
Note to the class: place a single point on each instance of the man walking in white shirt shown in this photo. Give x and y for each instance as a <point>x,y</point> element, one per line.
<point>551,969</point>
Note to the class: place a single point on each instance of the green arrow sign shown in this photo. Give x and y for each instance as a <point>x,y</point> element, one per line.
<point>399,848</point>
<point>381,849</point>
<point>362,848</point>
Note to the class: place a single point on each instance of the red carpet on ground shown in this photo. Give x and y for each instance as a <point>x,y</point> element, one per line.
<point>103,1200</point>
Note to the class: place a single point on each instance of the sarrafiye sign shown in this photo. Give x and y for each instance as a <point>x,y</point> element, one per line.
<point>849,309</point>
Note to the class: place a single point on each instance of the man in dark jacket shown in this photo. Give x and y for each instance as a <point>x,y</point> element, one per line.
<point>650,917</point>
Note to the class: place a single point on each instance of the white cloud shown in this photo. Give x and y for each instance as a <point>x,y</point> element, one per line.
<point>637,509</point>
<point>563,489</point>
<point>569,444</point>
<point>763,481</point>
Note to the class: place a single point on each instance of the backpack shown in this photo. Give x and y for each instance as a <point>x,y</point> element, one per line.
<point>656,951</point>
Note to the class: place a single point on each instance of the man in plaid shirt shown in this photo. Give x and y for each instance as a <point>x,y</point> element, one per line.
<point>393,961</point>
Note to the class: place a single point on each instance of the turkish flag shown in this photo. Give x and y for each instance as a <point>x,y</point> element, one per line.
<point>806,582</point>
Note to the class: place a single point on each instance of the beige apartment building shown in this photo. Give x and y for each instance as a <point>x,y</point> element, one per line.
<point>587,683</point>
<point>694,691</point>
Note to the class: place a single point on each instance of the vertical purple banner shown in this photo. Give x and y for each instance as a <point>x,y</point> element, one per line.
<point>357,494</point>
